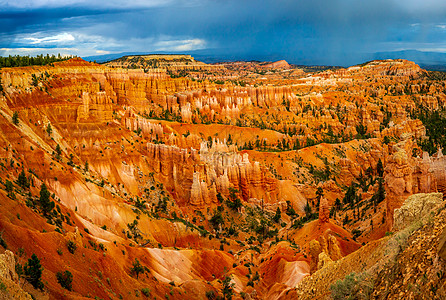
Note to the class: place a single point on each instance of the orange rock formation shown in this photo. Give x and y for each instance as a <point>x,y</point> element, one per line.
<point>202,172</point>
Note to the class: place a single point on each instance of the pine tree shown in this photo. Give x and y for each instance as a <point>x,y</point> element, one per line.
<point>381,195</point>
<point>22,180</point>
<point>350,195</point>
<point>307,210</point>
<point>227,288</point>
<point>45,203</point>
<point>338,204</point>
<point>229,141</point>
<point>15,118</point>
<point>217,219</point>
<point>33,272</point>
<point>380,168</point>
<point>58,151</point>
<point>137,268</point>
<point>277,216</point>
<point>49,130</point>
<point>220,197</point>
<point>65,279</point>
<point>9,187</point>
<point>234,203</point>
<point>297,145</point>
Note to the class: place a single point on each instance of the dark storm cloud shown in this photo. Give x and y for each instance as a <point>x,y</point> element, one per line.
<point>335,32</point>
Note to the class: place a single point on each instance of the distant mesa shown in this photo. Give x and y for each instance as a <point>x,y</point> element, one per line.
<point>170,62</point>
<point>281,64</point>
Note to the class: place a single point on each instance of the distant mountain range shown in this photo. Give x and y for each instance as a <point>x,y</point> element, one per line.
<point>427,60</point>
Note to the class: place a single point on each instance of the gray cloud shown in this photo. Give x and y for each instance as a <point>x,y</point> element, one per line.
<point>335,32</point>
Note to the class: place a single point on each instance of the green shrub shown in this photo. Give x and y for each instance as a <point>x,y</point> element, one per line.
<point>145,291</point>
<point>49,130</point>
<point>210,295</point>
<point>71,246</point>
<point>65,279</point>
<point>19,270</point>
<point>22,180</point>
<point>15,118</point>
<point>137,268</point>
<point>9,187</point>
<point>353,286</point>
<point>227,287</point>
<point>217,219</point>
<point>45,202</point>
<point>3,286</point>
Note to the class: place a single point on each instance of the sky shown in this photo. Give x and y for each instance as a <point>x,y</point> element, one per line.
<point>335,32</point>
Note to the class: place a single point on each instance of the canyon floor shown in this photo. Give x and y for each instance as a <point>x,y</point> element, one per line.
<point>161,177</point>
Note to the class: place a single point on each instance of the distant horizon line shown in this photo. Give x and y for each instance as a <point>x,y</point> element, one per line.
<point>212,58</point>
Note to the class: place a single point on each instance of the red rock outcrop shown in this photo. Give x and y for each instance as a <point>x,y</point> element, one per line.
<point>326,249</point>
<point>324,211</point>
<point>437,166</point>
<point>281,64</point>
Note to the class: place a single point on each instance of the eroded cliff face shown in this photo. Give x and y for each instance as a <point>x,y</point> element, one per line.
<point>437,165</point>
<point>407,175</point>
<point>11,285</point>
<point>202,179</point>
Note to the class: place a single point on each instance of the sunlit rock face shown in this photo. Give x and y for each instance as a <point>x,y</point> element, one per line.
<point>415,208</point>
